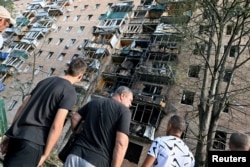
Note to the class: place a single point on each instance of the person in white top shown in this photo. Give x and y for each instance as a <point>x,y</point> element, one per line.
<point>170,150</point>
<point>5,21</point>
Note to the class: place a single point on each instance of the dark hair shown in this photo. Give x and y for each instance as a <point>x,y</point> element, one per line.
<point>121,89</point>
<point>76,67</point>
<point>239,140</point>
<point>177,123</point>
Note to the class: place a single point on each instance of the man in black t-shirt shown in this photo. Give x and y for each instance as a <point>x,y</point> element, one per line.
<point>104,137</point>
<point>39,121</point>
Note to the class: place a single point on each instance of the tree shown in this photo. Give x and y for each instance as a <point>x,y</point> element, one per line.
<point>219,26</point>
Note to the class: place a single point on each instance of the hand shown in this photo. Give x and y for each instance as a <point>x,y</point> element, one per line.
<point>42,160</point>
<point>4,145</point>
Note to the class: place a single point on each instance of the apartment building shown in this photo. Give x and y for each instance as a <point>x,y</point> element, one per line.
<point>132,43</point>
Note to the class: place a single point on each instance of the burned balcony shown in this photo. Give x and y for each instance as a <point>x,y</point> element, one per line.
<point>155,11</point>
<point>128,45</point>
<point>111,82</point>
<point>150,93</point>
<point>166,43</point>
<point>124,66</point>
<point>97,54</point>
<point>145,119</point>
<point>106,39</point>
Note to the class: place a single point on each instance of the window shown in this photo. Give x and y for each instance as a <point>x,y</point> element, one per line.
<point>203,29</point>
<point>65,18</point>
<point>234,51</point>
<point>58,29</point>
<point>26,69</point>
<point>229,29</point>
<point>68,29</point>
<point>187,97</point>
<point>38,53</point>
<point>89,16</point>
<point>59,41</point>
<point>51,71</point>
<point>227,75</point>
<point>75,7</point>
<point>84,7</point>
<point>109,5</point>
<point>77,18</point>
<point>194,71</point>
<point>61,56</point>
<point>199,49</point>
<point>146,114</point>
<point>80,29</point>
<point>220,140</point>
<point>70,43</point>
<point>96,6</point>
<point>48,41</point>
<point>227,107</point>
<point>38,70</point>
<point>12,105</point>
<point>133,152</point>
<point>49,55</point>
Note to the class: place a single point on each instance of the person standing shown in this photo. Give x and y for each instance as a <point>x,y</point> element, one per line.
<point>5,21</point>
<point>103,140</point>
<point>239,142</point>
<point>170,150</point>
<point>39,121</point>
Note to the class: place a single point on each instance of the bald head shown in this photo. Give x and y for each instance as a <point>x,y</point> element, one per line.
<point>239,142</point>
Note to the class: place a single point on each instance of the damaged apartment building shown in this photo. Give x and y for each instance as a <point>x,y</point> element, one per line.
<point>130,43</point>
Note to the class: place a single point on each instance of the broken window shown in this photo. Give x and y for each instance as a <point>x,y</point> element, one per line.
<point>68,29</point>
<point>36,72</point>
<point>146,114</point>
<point>59,41</point>
<point>187,97</point>
<point>220,140</point>
<point>61,56</point>
<point>80,29</point>
<point>227,75</point>
<point>77,17</point>
<point>49,55</point>
<point>12,105</point>
<point>151,91</point>
<point>89,16</point>
<point>133,152</point>
<point>194,71</point>
<point>229,29</point>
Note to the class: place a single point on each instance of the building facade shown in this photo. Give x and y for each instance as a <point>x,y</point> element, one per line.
<point>132,43</point>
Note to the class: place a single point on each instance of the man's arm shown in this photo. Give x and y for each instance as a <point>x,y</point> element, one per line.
<point>121,145</point>
<point>54,133</point>
<point>75,119</point>
<point>149,161</point>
